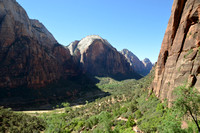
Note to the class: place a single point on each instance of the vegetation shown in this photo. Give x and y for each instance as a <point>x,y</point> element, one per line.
<point>188,103</point>
<point>199,50</point>
<point>11,122</point>
<point>185,107</point>
<point>130,106</point>
<point>188,53</point>
<point>115,113</point>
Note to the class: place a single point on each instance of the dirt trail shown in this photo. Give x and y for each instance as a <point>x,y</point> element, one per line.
<point>60,110</point>
<point>136,129</point>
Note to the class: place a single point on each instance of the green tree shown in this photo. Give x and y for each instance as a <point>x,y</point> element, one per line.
<point>138,114</point>
<point>170,123</point>
<point>12,122</point>
<point>67,107</point>
<point>188,102</point>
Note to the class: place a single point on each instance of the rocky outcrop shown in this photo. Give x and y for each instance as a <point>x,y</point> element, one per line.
<point>30,56</point>
<point>97,57</point>
<point>148,65</point>
<point>141,67</point>
<point>179,58</point>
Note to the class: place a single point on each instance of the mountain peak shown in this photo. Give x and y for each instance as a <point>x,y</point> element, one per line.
<point>98,57</point>
<point>146,60</point>
<point>129,54</point>
<point>141,67</point>
<point>147,63</point>
<point>125,50</point>
<point>30,57</point>
<point>88,41</point>
<point>93,37</point>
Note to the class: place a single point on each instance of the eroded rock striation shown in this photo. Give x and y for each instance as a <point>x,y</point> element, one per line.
<point>141,67</point>
<point>97,57</point>
<point>179,58</point>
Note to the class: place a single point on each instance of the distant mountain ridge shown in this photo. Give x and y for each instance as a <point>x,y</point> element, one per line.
<point>141,67</point>
<point>148,65</point>
<point>98,57</point>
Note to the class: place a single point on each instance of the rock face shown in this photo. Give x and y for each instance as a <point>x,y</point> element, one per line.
<point>30,57</point>
<point>99,58</point>
<point>141,67</point>
<point>179,58</point>
<point>148,65</point>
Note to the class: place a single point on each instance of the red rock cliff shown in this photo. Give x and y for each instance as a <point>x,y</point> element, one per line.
<point>97,57</point>
<point>179,58</point>
<point>29,54</point>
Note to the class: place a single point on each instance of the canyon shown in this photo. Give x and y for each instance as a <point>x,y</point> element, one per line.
<point>32,62</point>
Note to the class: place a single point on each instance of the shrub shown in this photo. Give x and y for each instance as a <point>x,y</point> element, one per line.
<point>16,122</point>
<point>133,107</point>
<point>138,114</point>
<point>170,123</point>
<point>123,110</point>
<point>130,122</point>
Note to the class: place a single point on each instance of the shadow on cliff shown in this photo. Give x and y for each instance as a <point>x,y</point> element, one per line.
<point>75,90</point>
<point>120,77</point>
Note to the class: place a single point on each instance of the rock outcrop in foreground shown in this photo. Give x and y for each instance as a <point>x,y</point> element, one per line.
<point>141,67</point>
<point>179,58</point>
<point>97,57</point>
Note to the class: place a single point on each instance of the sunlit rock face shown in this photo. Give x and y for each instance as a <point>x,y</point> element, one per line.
<point>179,59</point>
<point>148,65</point>
<point>29,54</point>
<point>141,67</point>
<point>97,57</point>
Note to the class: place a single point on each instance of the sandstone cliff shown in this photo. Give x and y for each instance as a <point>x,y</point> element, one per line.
<point>97,57</point>
<point>179,58</point>
<point>30,57</point>
<point>141,67</point>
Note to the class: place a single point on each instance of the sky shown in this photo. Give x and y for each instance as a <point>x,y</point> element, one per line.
<point>137,25</point>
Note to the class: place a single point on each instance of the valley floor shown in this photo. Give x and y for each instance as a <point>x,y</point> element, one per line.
<point>129,108</point>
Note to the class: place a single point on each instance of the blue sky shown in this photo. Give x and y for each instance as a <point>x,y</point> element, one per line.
<point>138,25</point>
